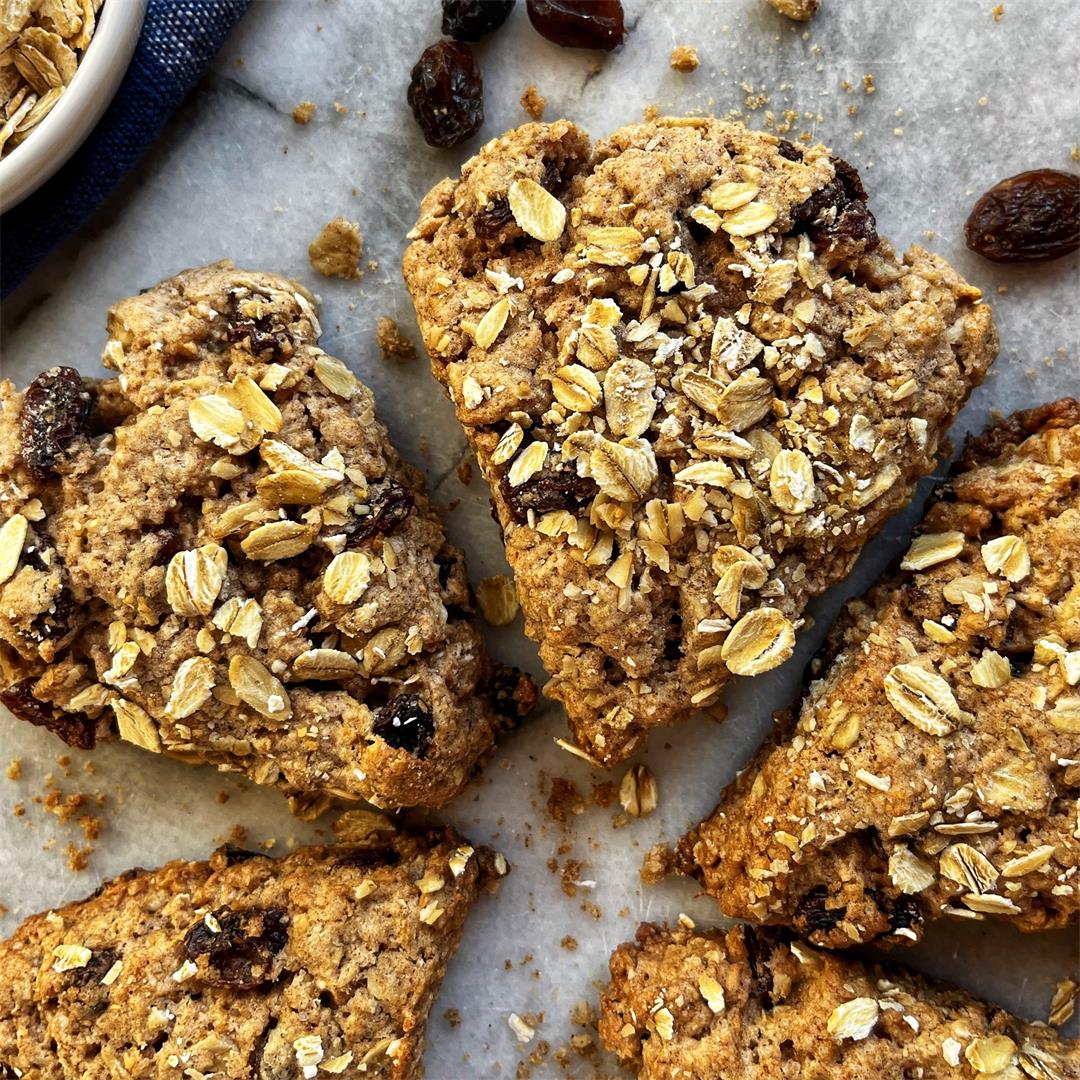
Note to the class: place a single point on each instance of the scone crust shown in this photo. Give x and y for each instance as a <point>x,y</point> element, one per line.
<point>616,346</point>
<point>331,942</point>
<point>102,573</point>
<point>891,798</point>
<point>776,1015</point>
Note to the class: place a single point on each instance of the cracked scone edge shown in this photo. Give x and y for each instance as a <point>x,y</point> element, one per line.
<point>931,769</point>
<point>556,320</point>
<point>239,573</point>
<point>245,964</point>
<point>749,1004</point>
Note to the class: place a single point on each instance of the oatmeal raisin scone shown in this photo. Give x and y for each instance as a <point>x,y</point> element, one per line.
<point>697,382</point>
<point>325,962</point>
<point>220,555</point>
<point>747,1004</point>
<point>934,766</point>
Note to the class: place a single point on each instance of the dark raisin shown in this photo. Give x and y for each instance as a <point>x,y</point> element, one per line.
<point>470,20</point>
<point>446,93</point>
<point>57,620</point>
<point>76,729</point>
<point>837,213</point>
<point>1031,217</point>
<point>260,333</point>
<point>241,954</point>
<point>560,490</point>
<point>390,505</point>
<point>811,914</point>
<point>406,724</point>
<point>95,969</point>
<point>789,150</point>
<point>579,24</point>
<point>758,953</point>
<point>234,854</point>
<point>493,217</point>
<point>512,692</point>
<point>905,912</point>
<point>55,412</point>
<point>361,858</point>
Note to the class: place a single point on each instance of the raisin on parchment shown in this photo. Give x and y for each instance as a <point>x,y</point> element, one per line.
<point>470,20</point>
<point>1031,217</point>
<point>579,24</point>
<point>446,94</point>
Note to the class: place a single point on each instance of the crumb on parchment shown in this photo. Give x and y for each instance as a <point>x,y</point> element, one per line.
<point>303,112</point>
<point>336,251</point>
<point>684,58</point>
<point>392,341</point>
<point>533,102</point>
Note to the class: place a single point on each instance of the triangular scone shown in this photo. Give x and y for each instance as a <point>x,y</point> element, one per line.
<point>325,962</point>
<point>220,555</point>
<point>748,1004</point>
<point>932,769</point>
<point>696,382</point>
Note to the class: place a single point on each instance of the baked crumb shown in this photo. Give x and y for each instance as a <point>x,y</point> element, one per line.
<point>569,943</point>
<point>452,1017</point>
<point>998,11</point>
<point>799,10</point>
<point>565,800</point>
<point>684,58</point>
<point>339,108</point>
<point>392,341</point>
<point>533,102</point>
<point>14,769</point>
<point>303,112</point>
<point>465,472</point>
<point>336,251</point>
<point>868,84</point>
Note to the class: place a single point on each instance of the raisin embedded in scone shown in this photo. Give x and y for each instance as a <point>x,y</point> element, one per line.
<point>220,553</point>
<point>751,1005</point>
<point>324,962</point>
<point>932,769</point>
<point>696,381</point>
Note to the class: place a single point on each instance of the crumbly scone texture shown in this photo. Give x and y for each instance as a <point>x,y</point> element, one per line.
<point>933,768</point>
<point>696,381</point>
<point>746,1004</point>
<point>223,558</point>
<point>325,962</point>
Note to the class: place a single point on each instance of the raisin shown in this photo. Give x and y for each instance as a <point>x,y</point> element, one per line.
<point>57,620</point>
<point>470,20</point>
<point>512,693</point>
<point>95,969</point>
<point>496,214</point>
<point>76,729</point>
<point>390,505</point>
<point>260,333</point>
<point>234,854</point>
<point>406,724</point>
<point>559,490</point>
<point>811,914</point>
<point>905,912</point>
<point>55,412</point>
<point>579,24</point>
<point>789,150</point>
<point>758,953</point>
<point>363,858</point>
<point>837,213</point>
<point>237,957</point>
<point>1031,217</point>
<point>446,94</point>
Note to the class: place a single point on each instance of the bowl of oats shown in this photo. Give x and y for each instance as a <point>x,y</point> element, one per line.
<point>61,63</point>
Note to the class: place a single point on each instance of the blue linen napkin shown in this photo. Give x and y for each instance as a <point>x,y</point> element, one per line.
<point>179,39</point>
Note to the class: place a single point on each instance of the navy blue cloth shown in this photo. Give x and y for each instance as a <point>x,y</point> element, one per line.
<point>179,39</point>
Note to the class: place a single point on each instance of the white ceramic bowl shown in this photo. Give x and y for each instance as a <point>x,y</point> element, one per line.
<point>81,105</point>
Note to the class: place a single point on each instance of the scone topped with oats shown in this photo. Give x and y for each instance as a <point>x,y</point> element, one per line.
<point>220,556</point>
<point>696,380</point>
<point>933,769</point>
<point>323,963</point>
<point>748,1004</point>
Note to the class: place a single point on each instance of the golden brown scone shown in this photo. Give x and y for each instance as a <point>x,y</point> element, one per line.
<point>696,382</point>
<point>325,962</point>
<point>934,766</point>
<point>746,1004</point>
<point>220,555</point>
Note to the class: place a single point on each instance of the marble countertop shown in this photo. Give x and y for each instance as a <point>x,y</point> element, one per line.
<point>961,100</point>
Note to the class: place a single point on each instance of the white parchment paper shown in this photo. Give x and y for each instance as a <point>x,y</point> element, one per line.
<point>961,101</point>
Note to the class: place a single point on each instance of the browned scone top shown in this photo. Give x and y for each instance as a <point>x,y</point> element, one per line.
<point>746,1004</point>
<point>696,381</point>
<point>220,554</point>
<point>934,766</point>
<point>325,962</point>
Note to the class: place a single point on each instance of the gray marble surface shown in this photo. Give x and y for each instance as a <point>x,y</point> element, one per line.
<point>961,101</point>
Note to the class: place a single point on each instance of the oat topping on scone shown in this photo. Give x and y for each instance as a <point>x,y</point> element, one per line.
<point>696,381</point>
<point>748,1004</point>
<point>934,767</point>
<point>322,963</point>
<point>220,555</point>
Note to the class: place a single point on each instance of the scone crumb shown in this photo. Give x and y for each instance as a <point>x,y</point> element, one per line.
<point>569,943</point>
<point>868,84</point>
<point>303,112</point>
<point>452,1017</point>
<point>392,341</point>
<point>998,11</point>
<point>14,769</point>
<point>336,251</point>
<point>498,600</point>
<point>684,58</point>
<point>799,10</point>
<point>533,102</point>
